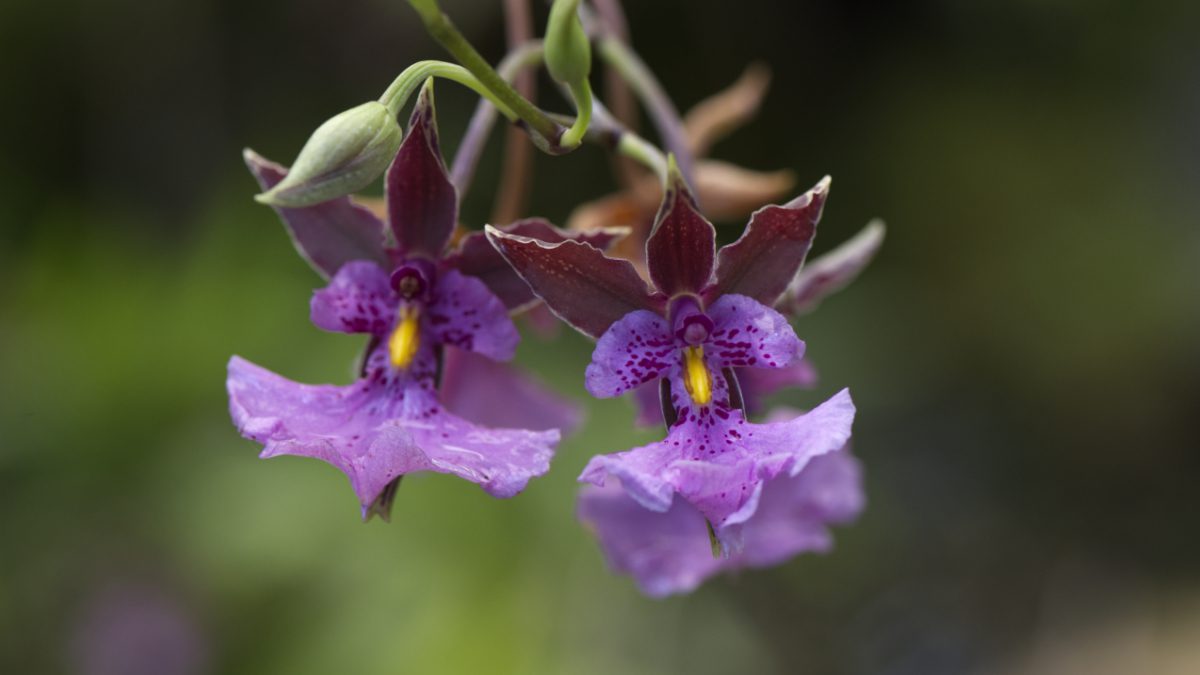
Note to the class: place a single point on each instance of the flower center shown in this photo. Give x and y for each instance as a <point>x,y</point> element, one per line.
<point>696,379</point>
<point>406,338</point>
<point>689,322</point>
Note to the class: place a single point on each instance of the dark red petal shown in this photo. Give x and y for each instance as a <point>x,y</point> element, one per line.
<point>422,202</point>
<point>763,261</point>
<point>682,245</point>
<point>475,256</point>
<point>580,284</point>
<point>328,234</point>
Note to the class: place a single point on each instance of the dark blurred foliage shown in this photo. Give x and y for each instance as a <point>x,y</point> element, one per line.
<point>1023,352</point>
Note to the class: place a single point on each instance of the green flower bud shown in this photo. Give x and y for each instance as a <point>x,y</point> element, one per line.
<point>568,53</point>
<point>343,155</point>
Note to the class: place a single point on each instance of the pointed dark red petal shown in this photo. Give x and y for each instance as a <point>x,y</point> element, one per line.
<point>477,257</point>
<point>422,202</point>
<point>763,261</point>
<point>580,284</point>
<point>682,245</point>
<point>328,234</point>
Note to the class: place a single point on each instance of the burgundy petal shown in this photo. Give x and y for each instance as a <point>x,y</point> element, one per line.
<point>580,284</point>
<point>422,202</point>
<point>475,256</point>
<point>328,234</point>
<point>682,245</point>
<point>763,261</point>
<point>831,272</point>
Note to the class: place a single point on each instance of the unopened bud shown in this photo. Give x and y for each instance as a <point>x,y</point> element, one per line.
<point>343,155</point>
<point>568,52</point>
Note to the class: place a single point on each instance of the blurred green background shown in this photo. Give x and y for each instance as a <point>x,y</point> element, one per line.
<point>1023,352</point>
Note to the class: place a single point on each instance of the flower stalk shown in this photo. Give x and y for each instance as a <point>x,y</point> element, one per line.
<point>466,158</point>
<point>545,129</point>
<point>407,82</point>
<point>630,66</point>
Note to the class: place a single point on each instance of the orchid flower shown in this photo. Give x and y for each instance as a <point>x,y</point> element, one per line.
<point>708,313</point>
<point>419,308</point>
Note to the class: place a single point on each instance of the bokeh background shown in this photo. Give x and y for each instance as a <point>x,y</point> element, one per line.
<point>1023,352</point>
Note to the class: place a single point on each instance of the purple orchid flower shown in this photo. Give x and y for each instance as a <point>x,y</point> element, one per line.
<point>416,306</point>
<point>708,314</point>
<point>816,280</point>
<point>666,552</point>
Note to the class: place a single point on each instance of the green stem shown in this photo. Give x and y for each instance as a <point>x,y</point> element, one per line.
<point>505,97</point>
<point>466,157</point>
<point>407,82</point>
<point>606,131</point>
<point>643,152</point>
<point>582,95</point>
<point>666,118</point>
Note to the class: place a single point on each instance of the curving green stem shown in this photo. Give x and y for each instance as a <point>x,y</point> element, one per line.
<point>582,95</point>
<point>466,158</point>
<point>500,92</point>
<point>643,152</point>
<point>407,82</point>
<point>605,130</point>
<point>666,118</point>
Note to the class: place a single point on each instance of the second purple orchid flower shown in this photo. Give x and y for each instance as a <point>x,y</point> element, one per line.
<point>707,314</point>
<point>665,551</point>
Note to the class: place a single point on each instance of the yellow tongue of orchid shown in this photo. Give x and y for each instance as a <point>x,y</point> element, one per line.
<point>696,378</point>
<point>403,344</point>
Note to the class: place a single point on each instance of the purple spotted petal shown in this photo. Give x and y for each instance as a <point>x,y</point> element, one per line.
<point>485,392</point>
<point>766,257</point>
<point>719,462</point>
<point>682,244</point>
<point>580,284</point>
<point>637,349</point>
<point>359,299</point>
<point>758,383</point>
<point>501,460</point>
<point>747,333</point>
<point>463,313</point>
<point>374,434</point>
<point>665,552</point>
<point>475,256</point>
<point>422,203</point>
<point>833,271</point>
<point>327,235</point>
<point>669,552</point>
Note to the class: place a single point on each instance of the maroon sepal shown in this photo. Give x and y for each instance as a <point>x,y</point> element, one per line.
<point>422,203</point>
<point>763,261</point>
<point>475,256</point>
<point>328,234</point>
<point>831,272</point>
<point>578,283</point>
<point>682,245</point>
